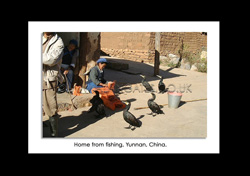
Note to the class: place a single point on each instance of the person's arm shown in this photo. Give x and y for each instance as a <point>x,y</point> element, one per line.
<point>102,84</point>
<point>94,76</point>
<point>53,56</point>
<point>103,80</point>
<point>73,61</point>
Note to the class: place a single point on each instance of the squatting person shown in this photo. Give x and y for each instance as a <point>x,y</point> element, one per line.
<point>96,75</point>
<point>70,53</point>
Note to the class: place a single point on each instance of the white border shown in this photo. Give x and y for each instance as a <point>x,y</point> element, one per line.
<point>36,144</point>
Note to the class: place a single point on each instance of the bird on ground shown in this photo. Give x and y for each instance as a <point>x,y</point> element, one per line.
<point>97,105</point>
<point>130,118</point>
<point>161,85</point>
<point>155,108</point>
<point>146,84</point>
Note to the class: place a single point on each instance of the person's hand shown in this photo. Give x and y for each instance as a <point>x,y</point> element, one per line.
<point>104,85</point>
<point>66,72</point>
<point>62,69</point>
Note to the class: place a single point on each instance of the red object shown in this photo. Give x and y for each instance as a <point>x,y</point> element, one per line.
<point>109,99</point>
<point>175,93</point>
<point>77,90</point>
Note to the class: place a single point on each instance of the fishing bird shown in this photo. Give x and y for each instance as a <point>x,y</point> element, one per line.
<point>97,105</point>
<point>161,85</point>
<point>130,118</point>
<point>155,108</point>
<point>146,84</point>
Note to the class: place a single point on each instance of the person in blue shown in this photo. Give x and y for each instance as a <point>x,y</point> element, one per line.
<point>69,61</point>
<point>96,75</point>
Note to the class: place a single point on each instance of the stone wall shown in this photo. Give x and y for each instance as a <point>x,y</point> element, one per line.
<point>139,46</point>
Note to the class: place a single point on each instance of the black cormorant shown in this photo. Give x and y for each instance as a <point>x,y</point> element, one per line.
<point>155,108</point>
<point>97,105</point>
<point>146,84</point>
<point>161,85</point>
<point>130,118</point>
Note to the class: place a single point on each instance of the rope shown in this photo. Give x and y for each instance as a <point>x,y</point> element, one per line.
<point>69,92</point>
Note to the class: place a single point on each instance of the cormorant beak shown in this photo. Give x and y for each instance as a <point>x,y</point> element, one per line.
<point>142,76</point>
<point>159,76</point>
<point>125,102</point>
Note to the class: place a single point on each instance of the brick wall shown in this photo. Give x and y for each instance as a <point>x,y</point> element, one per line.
<point>139,46</point>
<point>127,45</point>
<point>171,42</point>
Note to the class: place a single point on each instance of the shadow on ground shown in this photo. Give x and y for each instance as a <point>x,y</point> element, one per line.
<point>132,75</point>
<point>71,124</point>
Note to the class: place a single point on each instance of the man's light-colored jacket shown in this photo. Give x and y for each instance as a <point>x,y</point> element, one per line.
<point>52,59</point>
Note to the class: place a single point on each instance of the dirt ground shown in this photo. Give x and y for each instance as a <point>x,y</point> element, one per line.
<point>188,120</point>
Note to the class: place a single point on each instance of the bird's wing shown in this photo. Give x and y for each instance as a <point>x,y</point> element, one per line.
<point>100,109</point>
<point>130,118</point>
<point>97,101</point>
<point>162,87</point>
<point>93,108</point>
<point>158,109</point>
<point>147,85</point>
<point>154,107</point>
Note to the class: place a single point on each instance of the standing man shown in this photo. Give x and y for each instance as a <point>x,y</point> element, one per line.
<point>52,48</point>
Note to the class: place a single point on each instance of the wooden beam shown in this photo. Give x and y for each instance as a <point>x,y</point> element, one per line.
<point>157,53</point>
<point>82,59</point>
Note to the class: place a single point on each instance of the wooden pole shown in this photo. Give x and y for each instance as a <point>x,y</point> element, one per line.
<point>157,53</point>
<point>82,59</point>
<point>167,104</point>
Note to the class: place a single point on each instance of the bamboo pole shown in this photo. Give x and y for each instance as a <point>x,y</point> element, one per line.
<point>167,104</point>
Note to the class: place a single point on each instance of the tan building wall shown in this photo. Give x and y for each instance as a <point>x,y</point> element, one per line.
<point>139,46</point>
<point>171,42</point>
<point>128,45</point>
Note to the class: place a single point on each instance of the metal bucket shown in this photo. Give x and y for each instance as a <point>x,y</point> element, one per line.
<point>174,99</point>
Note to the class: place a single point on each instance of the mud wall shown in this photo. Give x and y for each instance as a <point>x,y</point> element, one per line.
<point>128,45</point>
<point>93,48</point>
<point>139,46</point>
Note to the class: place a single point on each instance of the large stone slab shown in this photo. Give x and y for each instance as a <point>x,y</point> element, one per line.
<point>117,65</point>
<point>64,102</point>
<point>82,101</point>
